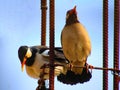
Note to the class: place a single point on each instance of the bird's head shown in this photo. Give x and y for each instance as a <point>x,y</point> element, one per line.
<point>71,16</point>
<point>24,53</point>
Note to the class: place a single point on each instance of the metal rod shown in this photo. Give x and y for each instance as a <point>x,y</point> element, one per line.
<point>51,43</point>
<point>89,67</point>
<point>105,44</point>
<point>43,34</point>
<point>116,43</point>
<point>100,68</point>
<point>43,21</point>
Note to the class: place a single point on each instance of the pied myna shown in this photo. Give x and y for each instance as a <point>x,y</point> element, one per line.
<point>35,57</point>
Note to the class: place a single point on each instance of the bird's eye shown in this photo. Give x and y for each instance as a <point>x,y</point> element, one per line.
<point>67,16</point>
<point>28,53</point>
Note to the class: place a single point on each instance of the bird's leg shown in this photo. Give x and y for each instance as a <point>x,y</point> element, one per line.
<point>91,67</point>
<point>87,67</point>
<point>70,66</point>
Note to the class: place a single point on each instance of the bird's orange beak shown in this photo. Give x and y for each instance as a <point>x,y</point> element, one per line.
<point>23,64</point>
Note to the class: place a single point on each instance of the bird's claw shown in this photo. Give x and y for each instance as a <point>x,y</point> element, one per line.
<point>70,66</point>
<point>89,67</point>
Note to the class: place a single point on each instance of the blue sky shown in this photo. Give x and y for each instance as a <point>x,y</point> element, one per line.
<point>20,22</point>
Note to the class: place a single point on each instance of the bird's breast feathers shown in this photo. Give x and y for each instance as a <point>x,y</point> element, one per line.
<point>35,70</point>
<point>75,42</point>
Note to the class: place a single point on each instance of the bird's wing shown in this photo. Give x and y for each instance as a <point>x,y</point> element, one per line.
<point>41,49</point>
<point>59,56</point>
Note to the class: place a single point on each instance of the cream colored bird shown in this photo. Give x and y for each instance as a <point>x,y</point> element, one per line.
<point>75,42</point>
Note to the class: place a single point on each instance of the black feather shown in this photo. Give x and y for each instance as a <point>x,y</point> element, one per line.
<point>71,78</point>
<point>42,50</point>
<point>21,52</point>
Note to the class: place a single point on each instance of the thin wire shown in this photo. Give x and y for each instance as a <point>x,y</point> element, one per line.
<point>117,71</point>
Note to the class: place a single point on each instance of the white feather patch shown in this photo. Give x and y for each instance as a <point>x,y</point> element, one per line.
<point>45,53</point>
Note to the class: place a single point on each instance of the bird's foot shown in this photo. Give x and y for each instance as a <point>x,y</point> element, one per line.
<point>89,67</point>
<point>70,66</point>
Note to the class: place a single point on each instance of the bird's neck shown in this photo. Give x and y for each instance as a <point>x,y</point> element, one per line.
<point>71,20</point>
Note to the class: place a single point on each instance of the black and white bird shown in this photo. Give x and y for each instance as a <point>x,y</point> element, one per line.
<point>36,56</point>
<point>76,46</point>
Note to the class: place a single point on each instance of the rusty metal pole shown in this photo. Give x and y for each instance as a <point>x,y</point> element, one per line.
<point>105,44</point>
<point>43,34</point>
<point>43,21</point>
<point>116,43</point>
<point>51,44</point>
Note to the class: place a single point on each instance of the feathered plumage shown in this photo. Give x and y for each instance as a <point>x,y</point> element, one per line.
<point>76,47</point>
<point>36,56</point>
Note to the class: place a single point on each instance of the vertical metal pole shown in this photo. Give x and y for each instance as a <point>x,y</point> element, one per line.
<point>105,44</point>
<point>43,35</point>
<point>116,43</point>
<point>43,22</point>
<point>51,72</point>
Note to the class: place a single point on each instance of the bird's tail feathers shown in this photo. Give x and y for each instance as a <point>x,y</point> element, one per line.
<point>71,78</point>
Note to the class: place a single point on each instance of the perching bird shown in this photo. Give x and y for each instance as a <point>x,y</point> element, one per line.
<point>76,48</point>
<point>36,56</point>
